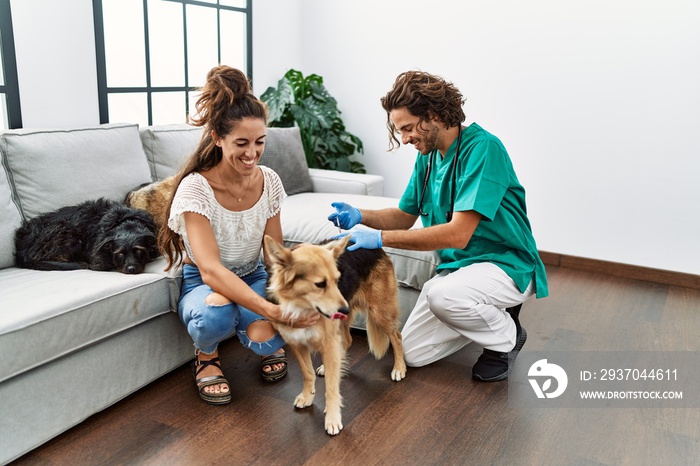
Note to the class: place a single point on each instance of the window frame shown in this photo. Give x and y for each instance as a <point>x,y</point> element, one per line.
<point>104,91</point>
<point>10,88</point>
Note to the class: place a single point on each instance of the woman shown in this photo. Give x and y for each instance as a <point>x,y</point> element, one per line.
<point>223,205</point>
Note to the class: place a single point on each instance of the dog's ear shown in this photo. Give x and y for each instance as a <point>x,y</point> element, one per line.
<point>119,214</point>
<point>142,216</point>
<point>101,255</point>
<point>337,247</point>
<point>111,218</point>
<point>148,243</point>
<point>277,253</point>
<point>104,246</point>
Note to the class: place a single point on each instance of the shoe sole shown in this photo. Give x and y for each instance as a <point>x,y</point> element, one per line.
<point>512,354</point>
<point>215,400</point>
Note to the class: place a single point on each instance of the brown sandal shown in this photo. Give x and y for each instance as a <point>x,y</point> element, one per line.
<point>202,383</point>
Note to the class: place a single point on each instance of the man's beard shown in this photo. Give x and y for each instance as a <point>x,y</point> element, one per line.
<point>430,138</point>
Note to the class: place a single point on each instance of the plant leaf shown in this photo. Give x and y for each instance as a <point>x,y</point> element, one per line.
<point>297,83</point>
<point>312,115</point>
<point>319,92</point>
<point>337,145</point>
<point>278,100</point>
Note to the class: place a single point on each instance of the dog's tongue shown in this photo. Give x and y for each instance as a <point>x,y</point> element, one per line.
<point>339,316</point>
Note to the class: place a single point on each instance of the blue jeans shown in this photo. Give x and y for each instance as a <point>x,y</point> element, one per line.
<point>209,324</point>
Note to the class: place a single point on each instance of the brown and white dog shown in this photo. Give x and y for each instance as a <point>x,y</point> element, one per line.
<point>337,284</point>
<point>154,198</point>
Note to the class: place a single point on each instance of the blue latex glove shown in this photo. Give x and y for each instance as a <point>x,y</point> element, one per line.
<point>367,239</point>
<point>345,215</point>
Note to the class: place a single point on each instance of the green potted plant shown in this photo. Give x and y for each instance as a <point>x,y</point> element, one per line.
<point>304,101</point>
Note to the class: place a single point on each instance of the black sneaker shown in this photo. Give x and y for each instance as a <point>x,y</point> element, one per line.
<point>493,366</point>
<point>515,313</point>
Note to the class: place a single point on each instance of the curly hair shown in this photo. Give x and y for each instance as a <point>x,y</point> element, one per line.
<point>226,99</point>
<point>426,96</point>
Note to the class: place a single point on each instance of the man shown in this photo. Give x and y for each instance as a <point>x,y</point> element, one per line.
<point>473,212</point>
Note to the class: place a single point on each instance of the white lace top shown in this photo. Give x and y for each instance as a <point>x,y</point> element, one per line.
<point>238,234</point>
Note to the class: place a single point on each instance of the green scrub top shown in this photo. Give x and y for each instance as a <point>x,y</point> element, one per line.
<point>486,183</point>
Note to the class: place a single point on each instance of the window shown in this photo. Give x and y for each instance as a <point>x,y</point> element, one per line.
<point>10,111</point>
<point>152,54</point>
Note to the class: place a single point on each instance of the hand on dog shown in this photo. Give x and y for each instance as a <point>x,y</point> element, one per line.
<point>345,215</point>
<point>306,320</point>
<point>367,239</point>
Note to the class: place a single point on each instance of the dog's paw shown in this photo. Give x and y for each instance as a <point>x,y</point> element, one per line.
<point>303,400</point>
<point>321,371</point>
<point>398,374</point>
<point>333,424</point>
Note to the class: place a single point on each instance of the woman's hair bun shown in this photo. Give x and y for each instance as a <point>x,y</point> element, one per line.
<point>229,80</point>
<point>226,97</point>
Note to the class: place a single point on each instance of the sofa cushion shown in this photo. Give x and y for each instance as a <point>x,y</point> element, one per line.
<point>333,181</point>
<point>55,168</point>
<point>10,219</point>
<point>46,315</point>
<point>168,146</point>
<point>304,220</point>
<point>284,153</point>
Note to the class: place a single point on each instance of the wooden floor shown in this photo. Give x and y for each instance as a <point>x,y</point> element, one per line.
<point>436,416</point>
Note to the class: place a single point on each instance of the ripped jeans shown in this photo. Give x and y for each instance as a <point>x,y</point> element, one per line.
<point>208,325</point>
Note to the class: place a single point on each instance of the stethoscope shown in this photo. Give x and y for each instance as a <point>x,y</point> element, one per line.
<point>448,216</point>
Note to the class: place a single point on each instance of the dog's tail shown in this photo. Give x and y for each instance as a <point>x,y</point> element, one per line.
<point>377,338</point>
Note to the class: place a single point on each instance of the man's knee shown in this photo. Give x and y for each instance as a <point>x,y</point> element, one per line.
<point>414,357</point>
<point>450,310</point>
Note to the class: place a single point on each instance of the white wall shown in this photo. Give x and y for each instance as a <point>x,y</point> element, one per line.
<point>596,101</point>
<point>277,41</point>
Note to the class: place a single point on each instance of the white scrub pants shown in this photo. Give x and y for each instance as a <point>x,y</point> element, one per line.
<point>459,307</point>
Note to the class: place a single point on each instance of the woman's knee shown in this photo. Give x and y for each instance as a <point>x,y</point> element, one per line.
<point>216,299</point>
<point>213,320</point>
<point>261,337</point>
<point>260,331</point>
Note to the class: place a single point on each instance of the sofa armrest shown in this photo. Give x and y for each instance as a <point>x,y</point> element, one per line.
<point>332,181</point>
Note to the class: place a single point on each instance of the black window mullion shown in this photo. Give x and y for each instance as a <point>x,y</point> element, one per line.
<point>187,58</point>
<point>11,87</point>
<point>218,35</point>
<point>147,55</point>
<point>249,39</point>
<point>101,61</point>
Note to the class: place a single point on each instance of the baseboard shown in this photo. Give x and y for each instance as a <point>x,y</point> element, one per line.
<point>635,272</point>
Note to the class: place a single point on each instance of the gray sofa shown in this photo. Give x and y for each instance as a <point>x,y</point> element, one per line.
<point>76,342</point>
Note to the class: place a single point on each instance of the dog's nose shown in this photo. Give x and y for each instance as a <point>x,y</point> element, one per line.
<point>344,310</point>
<point>131,269</point>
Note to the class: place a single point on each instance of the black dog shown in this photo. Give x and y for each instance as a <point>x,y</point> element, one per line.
<point>98,235</point>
